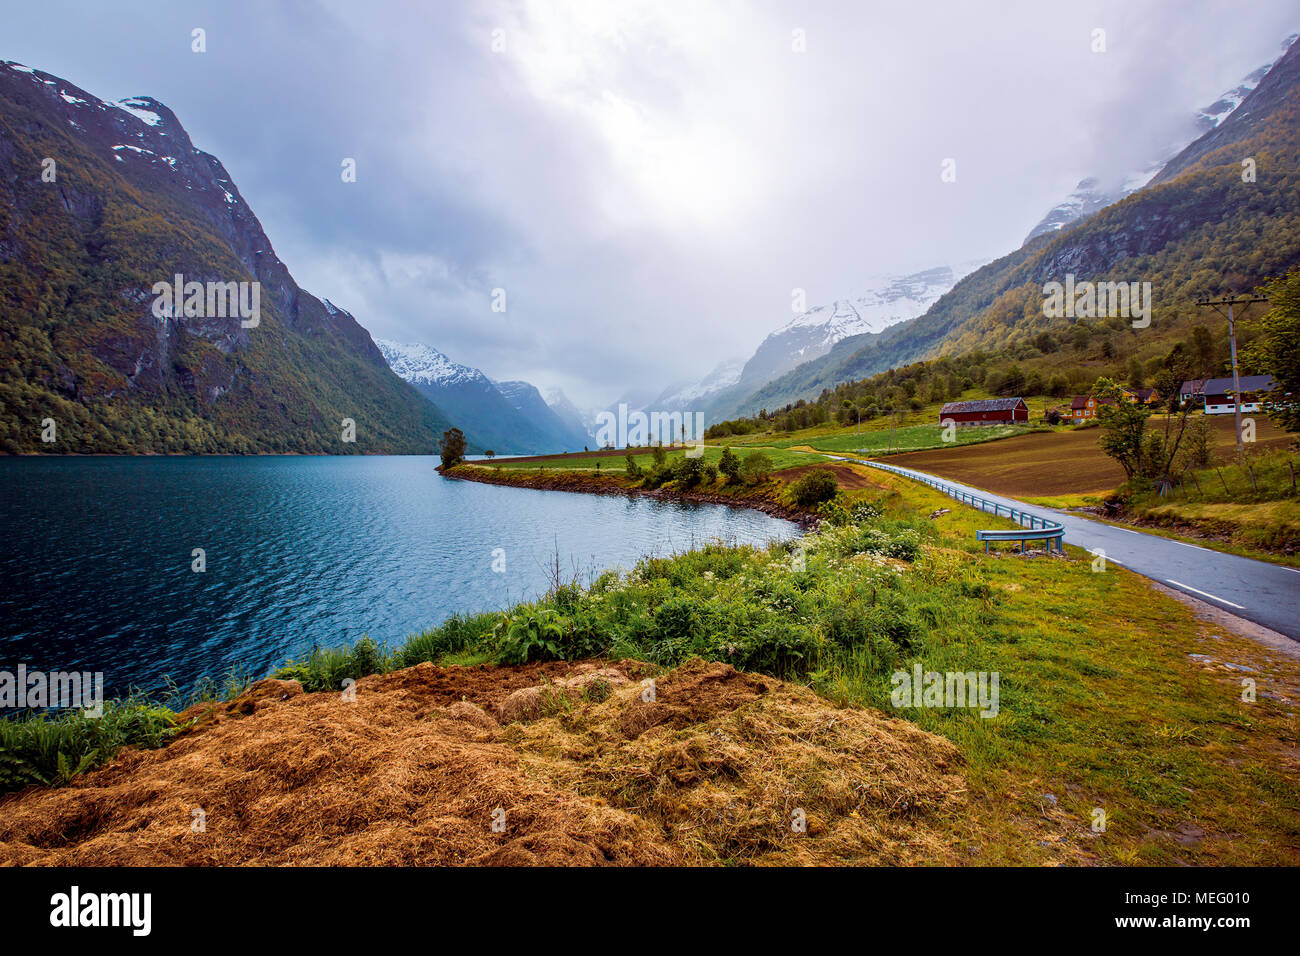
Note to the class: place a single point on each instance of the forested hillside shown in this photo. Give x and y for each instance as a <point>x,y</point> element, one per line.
<point>1222,217</point>
<point>98,202</point>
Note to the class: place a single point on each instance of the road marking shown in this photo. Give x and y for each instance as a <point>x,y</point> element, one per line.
<point>1130,532</point>
<point>1204,594</point>
<point>1196,547</point>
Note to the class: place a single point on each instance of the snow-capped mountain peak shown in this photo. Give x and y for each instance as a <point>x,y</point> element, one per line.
<point>422,364</point>
<point>888,301</point>
<point>682,395</point>
<point>1091,196</point>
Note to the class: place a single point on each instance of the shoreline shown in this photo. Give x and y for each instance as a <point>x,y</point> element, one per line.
<point>752,499</point>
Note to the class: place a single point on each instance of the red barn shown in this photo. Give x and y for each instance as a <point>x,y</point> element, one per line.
<point>986,411</point>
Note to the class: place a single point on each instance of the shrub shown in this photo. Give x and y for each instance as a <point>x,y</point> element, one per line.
<point>779,647</point>
<point>529,634</point>
<point>367,658</point>
<point>678,621</point>
<point>729,465</point>
<point>835,513</point>
<point>755,468</point>
<point>689,471</point>
<point>814,488</point>
<point>588,634</point>
<point>657,475</point>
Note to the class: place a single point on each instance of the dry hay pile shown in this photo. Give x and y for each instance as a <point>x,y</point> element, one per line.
<point>726,764</point>
<point>717,767</point>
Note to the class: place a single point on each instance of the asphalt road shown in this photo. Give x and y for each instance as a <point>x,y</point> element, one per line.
<point>1268,594</point>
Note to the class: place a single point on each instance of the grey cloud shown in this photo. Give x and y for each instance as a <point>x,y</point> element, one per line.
<point>650,187</point>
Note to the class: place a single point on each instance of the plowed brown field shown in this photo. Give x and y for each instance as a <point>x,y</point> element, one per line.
<point>1053,463</point>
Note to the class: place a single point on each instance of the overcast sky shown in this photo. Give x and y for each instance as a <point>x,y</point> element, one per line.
<point>647,181</point>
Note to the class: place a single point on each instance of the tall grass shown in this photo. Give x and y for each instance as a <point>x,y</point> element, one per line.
<point>50,749</point>
<point>1270,476</point>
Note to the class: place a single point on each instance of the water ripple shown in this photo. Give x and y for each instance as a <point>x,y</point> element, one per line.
<point>95,555</point>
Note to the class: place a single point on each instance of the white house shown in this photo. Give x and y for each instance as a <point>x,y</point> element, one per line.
<point>1219,398</point>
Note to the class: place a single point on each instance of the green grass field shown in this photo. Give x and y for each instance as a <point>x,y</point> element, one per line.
<point>616,464</point>
<point>909,430</point>
<point>879,442</point>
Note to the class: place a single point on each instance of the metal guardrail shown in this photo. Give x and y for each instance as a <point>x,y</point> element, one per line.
<point>1051,531</point>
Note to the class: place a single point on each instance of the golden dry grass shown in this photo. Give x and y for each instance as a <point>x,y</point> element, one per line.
<point>715,769</point>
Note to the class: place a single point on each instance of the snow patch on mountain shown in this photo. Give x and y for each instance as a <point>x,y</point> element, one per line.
<point>421,364</point>
<point>138,106</point>
<point>887,301</point>
<point>684,395</point>
<point>135,105</point>
<point>1091,196</point>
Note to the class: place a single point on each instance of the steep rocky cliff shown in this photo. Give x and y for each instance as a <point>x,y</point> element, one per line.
<point>99,203</point>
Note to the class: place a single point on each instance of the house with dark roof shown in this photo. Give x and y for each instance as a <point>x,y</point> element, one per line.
<point>1193,388</point>
<point>1219,397</point>
<point>985,411</point>
<point>1083,408</point>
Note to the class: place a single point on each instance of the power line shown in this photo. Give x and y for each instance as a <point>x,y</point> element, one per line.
<point>1245,301</point>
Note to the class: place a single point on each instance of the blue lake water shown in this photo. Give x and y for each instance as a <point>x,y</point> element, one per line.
<point>96,556</point>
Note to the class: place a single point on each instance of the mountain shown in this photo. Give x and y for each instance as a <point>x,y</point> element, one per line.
<point>470,399</point>
<point>573,418</point>
<point>101,204</point>
<point>694,394</point>
<point>561,434</point>
<point>1203,224</point>
<point>1091,195</point>
<point>825,330</point>
<point>887,301</point>
<point>728,389</point>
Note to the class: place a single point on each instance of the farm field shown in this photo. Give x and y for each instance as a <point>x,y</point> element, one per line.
<point>819,435</point>
<point>615,461</point>
<point>1051,465</point>
<point>907,438</point>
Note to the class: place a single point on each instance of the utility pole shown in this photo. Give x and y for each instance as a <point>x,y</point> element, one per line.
<point>1231,302</point>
